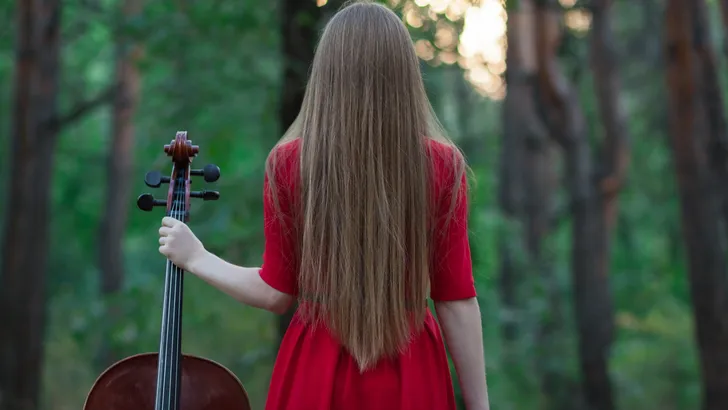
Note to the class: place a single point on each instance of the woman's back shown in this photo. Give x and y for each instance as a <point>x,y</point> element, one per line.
<point>313,369</point>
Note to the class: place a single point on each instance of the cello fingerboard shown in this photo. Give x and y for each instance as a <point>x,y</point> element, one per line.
<point>170,345</point>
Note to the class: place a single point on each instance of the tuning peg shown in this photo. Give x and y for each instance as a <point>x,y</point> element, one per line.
<point>146,202</point>
<point>210,172</point>
<point>154,179</point>
<point>205,195</point>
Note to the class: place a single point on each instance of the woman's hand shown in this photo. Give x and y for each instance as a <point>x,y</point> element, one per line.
<point>179,244</point>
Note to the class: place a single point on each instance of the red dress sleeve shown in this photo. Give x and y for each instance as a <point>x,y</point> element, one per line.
<point>452,270</point>
<point>279,269</point>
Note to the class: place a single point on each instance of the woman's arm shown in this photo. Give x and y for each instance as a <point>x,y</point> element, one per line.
<point>460,322</point>
<point>243,284</point>
<point>181,246</point>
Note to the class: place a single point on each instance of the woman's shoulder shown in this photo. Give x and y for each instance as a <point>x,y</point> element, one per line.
<point>446,159</point>
<point>438,145</point>
<point>282,161</point>
<point>443,150</point>
<point>287,150</point>
<point>285,153</point>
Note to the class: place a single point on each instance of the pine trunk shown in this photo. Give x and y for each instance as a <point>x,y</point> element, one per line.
<point>527,185</point>
<point>25,237</point>
<point>690,135</point>
<point>592,294</point>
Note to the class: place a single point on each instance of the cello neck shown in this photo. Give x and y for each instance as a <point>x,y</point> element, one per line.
<point>170,343</point>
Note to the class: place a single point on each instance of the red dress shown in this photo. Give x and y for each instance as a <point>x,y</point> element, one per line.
<point>313,371</point>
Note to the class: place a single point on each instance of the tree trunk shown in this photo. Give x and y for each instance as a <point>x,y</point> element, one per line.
<point>724,14</point>
<point>300,24</point>
<point>711,92</point>
<point>592,295</point>
<point>118,184</point>
<point>511,191</point>
<point>25,239</point>
<point>615,149</point>
<point>610,179</point>
<point>690,127</point>
<point>527,186</point>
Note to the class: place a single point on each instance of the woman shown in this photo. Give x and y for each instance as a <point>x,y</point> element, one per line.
<point>365,208</point>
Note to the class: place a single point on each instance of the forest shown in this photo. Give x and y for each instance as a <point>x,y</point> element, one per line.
<point>596,131</point>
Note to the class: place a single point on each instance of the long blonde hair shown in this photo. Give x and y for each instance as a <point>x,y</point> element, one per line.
<point>364,217</point>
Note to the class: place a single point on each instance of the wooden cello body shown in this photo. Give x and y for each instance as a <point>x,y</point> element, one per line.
<point>131,384</point>
<point>168,379</point>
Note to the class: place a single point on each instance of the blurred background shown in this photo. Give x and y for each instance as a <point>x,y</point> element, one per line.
<point>596,130</point>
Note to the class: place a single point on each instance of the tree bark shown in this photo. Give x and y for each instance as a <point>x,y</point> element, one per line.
<point>711,92</point>
<point>35,125</point>
<point>25,238</point>
<point>527,185</point>
<point>300,23</point>
<point>118,183</point>
<point>511,192</point>
<point>615,157</point>
<point>690,128</point>
<point>592,294</point>
<point>724,15</point>
<point>615,149</point>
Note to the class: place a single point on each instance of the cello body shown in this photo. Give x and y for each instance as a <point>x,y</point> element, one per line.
<point>130,384</point>
<point>170,380</point>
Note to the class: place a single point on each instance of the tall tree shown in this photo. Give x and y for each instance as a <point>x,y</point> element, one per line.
<point>300,24</point>
<point>34,129</point>
<point>527,186</point>
<point>25,240</point>
<point>118,178</point>
<point>609,179</point>
<point>615,147</point>
<point>712,95</point>
<point>690,132</point>
<point>592,187</point>
<point>518,102</point>
<point>724,14</point>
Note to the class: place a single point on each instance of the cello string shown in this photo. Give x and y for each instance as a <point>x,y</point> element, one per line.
<point>172,354</point>
<point>172,306</point>
<point>176,308</point>
<point>164,342</point>
<point>170,350</point>
<point>179,299</point>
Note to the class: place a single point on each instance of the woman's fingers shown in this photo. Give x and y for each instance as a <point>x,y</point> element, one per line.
<point>177,242</point>
<point>164,233</point>
<point>169,221</point>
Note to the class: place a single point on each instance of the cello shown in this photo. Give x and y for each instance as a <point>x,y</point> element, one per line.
<point>169,379</point>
